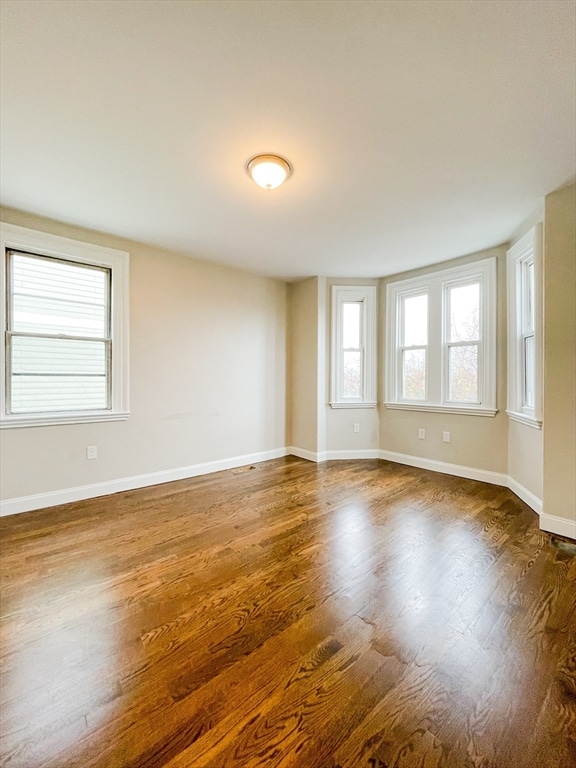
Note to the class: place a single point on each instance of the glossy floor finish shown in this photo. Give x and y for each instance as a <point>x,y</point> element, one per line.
<point>354,614</point>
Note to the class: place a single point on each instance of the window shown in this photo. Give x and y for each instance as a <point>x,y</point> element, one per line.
<point>441,341</point>
<point>524,330</point>
<point>65,330</point>
<point>353,375</point>
<point>413,349</point>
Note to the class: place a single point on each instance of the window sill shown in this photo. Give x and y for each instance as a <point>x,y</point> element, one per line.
<point>353,405</point>
<point>53,419</point>
<point>458,409</point>
<point>523,418</point>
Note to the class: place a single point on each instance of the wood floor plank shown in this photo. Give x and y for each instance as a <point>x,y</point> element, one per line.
<point>354,614</point>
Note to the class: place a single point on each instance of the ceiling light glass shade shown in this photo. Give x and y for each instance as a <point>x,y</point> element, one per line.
<point>269,171</point>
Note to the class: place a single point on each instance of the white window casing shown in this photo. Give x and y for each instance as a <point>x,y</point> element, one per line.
<point>72,317</point>
<point>524,278</point>
<point>353,350</point>
<point>455,342</point>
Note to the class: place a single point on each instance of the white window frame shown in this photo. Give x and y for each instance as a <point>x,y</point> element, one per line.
<point>364,295</point>
<point>17,238</point>
<point>419,290</point>
<point>437,284</point>
<point>523,253</point>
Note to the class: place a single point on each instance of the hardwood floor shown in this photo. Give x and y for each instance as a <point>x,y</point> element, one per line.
<point>344,615</point>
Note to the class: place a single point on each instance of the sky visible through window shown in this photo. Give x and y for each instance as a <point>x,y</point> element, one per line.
<point>464,326</point>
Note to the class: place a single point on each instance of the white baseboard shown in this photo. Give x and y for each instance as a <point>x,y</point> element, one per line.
<point>302,453</point>
<point>558,525</point>
<point>53,498</point>
<point>367,453</point>
<point>527,496</point>
<point>484,475</point>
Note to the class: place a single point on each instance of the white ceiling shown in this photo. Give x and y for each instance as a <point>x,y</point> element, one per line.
<point>418,131</point>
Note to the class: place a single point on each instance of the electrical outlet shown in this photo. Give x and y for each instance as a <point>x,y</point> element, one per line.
<point>421,434</point>
<point>356,427</point>
<point>91,452</point>
<point>446,437</point>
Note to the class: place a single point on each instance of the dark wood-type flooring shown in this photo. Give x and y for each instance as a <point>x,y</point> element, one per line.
<point>354,614</point>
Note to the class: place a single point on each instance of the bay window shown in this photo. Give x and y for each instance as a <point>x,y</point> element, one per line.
<point>441,340</point>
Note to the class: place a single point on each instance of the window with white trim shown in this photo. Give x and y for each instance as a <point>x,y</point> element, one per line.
<point>65,324</point>
<point>441,341</point>
<point>525,330</point>
<point>353,362</point>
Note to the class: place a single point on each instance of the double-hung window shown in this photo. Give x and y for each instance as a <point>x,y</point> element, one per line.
<point>441,340</point>
<point>412,350</point>
<point>65,330</point>
<point>524,330</point>
<point>353,364</point>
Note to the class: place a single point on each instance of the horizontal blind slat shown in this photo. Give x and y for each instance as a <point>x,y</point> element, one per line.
<point>47,315</point>
<point>53,356</point>
<point>49,296</point>
<point>58,393</point>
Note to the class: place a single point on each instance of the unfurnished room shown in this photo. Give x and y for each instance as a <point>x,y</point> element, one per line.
<point>288,384</point>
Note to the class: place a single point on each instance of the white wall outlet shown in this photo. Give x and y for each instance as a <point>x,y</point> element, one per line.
<point>446,437</point>
<point>356,427</point>
<point>91,451</point>
<point>421,434</point>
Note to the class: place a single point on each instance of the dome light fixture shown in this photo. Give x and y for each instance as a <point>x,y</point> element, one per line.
<point>269,171</point>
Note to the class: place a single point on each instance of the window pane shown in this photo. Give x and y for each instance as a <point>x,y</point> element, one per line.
<point>465,313</point>
<point>352,375</point>
<point>351,325</point>
<point>529,371</point>
<point>415,321</point>
<point>62,356</point>
<point>528,298</point>
<point>58,375</point>
<point>414,374</point>
<point>52,297</point>
<point>38,394</point>
<point>463,374</point>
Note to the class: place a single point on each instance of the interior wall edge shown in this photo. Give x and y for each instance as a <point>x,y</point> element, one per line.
<point>458,470</point>
<point>81,493</point>
<point>527,496</point>
<point>558,525</point>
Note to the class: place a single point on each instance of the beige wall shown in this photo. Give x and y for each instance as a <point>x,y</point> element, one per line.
<point>315,426</point>
<point>525,457</point>
<point>304,364</point>
<point>207,375</point>
<point>209,362</point>
<point>560,363</point>
<point>478,442</point>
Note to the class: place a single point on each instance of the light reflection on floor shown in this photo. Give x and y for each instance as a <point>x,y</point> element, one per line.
<point>50,672</point>
<point>429,594</point>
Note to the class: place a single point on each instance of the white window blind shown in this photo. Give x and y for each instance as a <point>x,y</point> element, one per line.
<point>58,335</point>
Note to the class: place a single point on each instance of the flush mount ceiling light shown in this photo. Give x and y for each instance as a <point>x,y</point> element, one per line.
<point>269,171</point>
